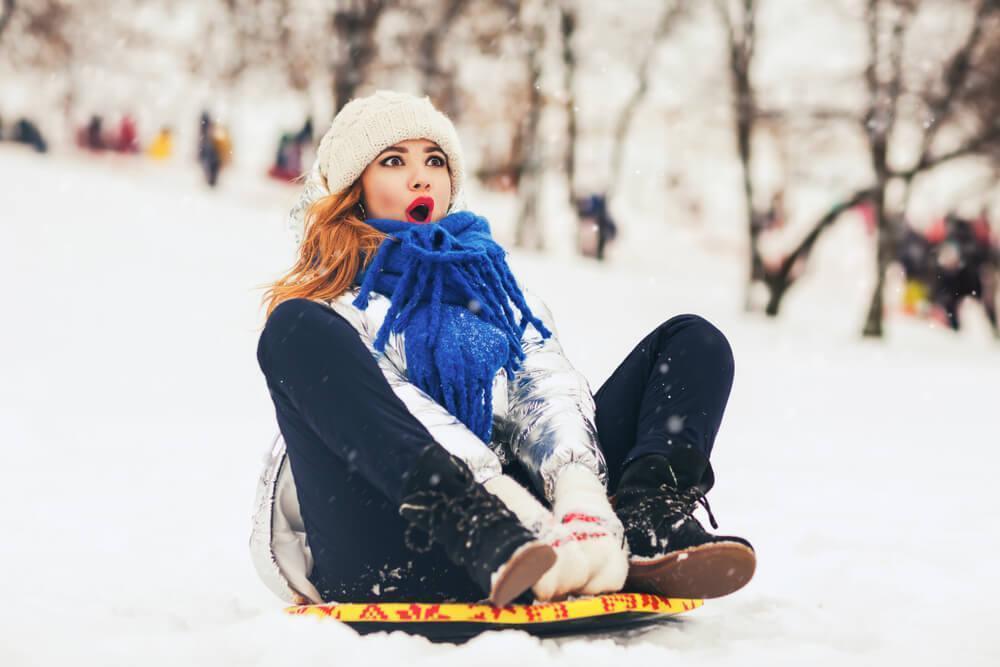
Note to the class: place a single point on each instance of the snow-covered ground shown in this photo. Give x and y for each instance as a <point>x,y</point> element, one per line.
<point>134,419</point>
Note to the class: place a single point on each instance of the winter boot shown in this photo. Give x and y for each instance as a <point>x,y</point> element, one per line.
<point>671,553</point>
<point>442,501</point>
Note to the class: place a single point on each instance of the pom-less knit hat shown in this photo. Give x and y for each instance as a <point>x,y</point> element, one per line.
<point>368,125</point>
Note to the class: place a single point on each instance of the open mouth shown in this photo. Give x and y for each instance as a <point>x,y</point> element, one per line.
<point>420,210</point>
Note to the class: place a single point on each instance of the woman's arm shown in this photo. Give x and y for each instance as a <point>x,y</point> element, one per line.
<point>550,420</point>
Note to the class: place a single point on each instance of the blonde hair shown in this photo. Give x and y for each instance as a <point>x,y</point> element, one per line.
<point>336,244</point>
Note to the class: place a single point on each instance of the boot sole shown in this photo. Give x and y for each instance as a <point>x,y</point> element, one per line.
<point>526,566</point>
<point>702,572</point>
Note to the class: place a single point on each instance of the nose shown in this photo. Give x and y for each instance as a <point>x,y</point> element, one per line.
<point>419,180</point>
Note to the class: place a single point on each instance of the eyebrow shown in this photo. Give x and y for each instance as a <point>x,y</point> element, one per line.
<point>403,149</point>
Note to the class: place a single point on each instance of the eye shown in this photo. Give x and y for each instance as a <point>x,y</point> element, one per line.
<point>438,161</point>
<point>386,162</point>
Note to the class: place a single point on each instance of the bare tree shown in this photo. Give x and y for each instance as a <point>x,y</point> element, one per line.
<point>439,82</point>
<point>944,100</point>
<point>668,20</point>
<point>354,24</point>
<point>528,26</point>
<point>884,79</point>
<point>528,232</point>
<point>960,95</point>
<point>567,28</point>
<point>964,85</point>
<point>51,35</point>
<point>512,34</point>
<point>779,280</point>
<point>274,34</point>
<point>739,21</point>
<point>45,30</point>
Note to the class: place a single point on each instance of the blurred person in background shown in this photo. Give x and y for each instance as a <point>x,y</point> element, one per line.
<point>214,148</point>
<point>597,228</point>
<point>26,132</point>
<point>916,259</point>
<point>223,142</point>
<point>91,136</point>
<point>436,443</point>
<point>965,266</point>
<point>126,140</point>
<point>162,146</point>
<point>291,147</point>
<point>280,169</point>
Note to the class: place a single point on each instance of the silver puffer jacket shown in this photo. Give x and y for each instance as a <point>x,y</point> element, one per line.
<point>543,417</point>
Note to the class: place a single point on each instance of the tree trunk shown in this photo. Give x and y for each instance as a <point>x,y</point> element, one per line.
<point>873,322</point>
<point>439,84</point>
<point>776,292</point>
<point>567,26</point>
<point>879,123</point>
<point>741,48</point>
<point>528,232</point>
<point>354,28</point>
<point>881,117</point>
<point>884,236</point>
<point>744,129</point>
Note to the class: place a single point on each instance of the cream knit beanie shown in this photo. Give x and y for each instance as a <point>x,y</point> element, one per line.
<point>366,126</point>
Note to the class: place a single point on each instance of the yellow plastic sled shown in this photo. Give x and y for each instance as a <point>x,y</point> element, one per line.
<point>457,622</point>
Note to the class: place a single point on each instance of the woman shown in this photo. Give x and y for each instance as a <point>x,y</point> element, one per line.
<point>435,442</point>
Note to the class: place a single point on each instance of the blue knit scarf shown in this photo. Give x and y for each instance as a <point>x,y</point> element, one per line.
<point>451,293</point>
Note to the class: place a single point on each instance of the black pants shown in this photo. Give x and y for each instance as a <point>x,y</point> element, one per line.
<point>350,440</point>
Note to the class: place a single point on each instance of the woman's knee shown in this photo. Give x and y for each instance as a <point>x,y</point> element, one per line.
<point>698,331</point>
<point>294,324</point>
<point>288,315</point>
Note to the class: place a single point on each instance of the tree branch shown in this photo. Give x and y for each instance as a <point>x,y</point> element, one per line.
<point>805,246</point>
<point>667,22</point>
<point>749,31</point>
<point>430,43</point>
<point>969,148</point>
<point>871,72</point>
<point>567,27</point>
<point>956,73</point>
<point>896,60</point>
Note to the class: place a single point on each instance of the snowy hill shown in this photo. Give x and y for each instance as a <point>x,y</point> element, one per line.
<point>135,417</point>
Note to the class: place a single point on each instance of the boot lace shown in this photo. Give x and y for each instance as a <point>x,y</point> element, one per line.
<point>666,503</point>
<point>473,515</point>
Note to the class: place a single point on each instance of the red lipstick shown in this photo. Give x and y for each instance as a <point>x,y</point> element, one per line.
<point>420,210</point>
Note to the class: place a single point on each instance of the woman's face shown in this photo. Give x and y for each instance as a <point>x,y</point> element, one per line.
<point>408,181</point>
